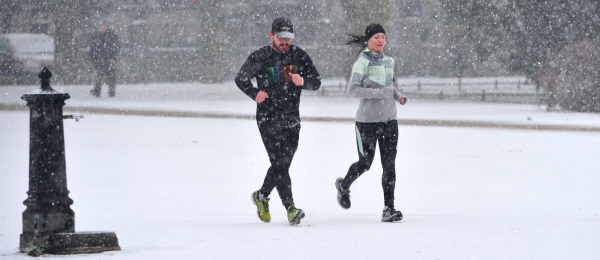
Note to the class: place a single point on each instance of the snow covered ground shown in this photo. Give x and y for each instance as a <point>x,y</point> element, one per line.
<point>179,188</point>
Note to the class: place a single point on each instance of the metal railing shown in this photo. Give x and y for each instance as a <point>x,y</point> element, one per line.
<point>502,89</point>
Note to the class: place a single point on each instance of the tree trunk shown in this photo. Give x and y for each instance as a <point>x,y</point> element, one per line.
<point>67,60</point>
<point>212,66</point>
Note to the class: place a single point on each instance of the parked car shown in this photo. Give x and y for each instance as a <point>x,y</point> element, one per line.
<point>23,55</point>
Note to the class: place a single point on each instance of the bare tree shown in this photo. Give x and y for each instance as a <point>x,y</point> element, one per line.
<point>212,68</point>
<point>7,9</point>
<point>572,79</point>
<point>360,14</point>
<point>67,58</point>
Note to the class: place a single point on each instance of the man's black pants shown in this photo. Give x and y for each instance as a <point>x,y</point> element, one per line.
<point>367,136</point>
<point>106,75</point>
<point>281,143</point>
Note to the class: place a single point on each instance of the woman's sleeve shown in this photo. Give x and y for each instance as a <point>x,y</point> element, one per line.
<point>397,93</point>
<point>355,88</point>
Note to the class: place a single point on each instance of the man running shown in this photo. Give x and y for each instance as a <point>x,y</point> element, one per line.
<point>282,71</point>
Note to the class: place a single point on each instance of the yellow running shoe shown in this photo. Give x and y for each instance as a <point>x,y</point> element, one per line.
<point>294,215</point>
<point>262,207</point>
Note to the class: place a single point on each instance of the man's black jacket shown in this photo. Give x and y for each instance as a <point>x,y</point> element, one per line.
<point>104,47</point>
<point>270,68</point>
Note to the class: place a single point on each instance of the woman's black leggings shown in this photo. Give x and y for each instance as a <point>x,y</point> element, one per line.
<point>367,136</point>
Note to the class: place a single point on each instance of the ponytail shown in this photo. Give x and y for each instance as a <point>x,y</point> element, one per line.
<point>357,41</point>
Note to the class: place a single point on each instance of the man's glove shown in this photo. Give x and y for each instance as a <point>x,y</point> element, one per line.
<point>297,79</point>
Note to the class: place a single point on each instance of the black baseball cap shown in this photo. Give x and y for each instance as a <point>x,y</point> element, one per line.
<point>283,28</point>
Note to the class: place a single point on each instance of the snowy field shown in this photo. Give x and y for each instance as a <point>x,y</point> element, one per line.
<point>179,188</point>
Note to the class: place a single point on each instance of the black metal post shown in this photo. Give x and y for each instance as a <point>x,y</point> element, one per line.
<point>49,219</point>
<point>48,203</point>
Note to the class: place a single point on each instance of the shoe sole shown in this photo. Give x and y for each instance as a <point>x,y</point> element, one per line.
<point>337,187</point>
<point>257,210</point>
<point>297,218</point>
<point>392,219</point>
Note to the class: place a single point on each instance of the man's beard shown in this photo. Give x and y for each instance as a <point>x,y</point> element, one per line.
<point>281,47</point>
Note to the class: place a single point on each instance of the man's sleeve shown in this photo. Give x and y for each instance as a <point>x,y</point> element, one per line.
<point>249,70</point>
<point>113,48</point>
<point>92,48</point>
<point>312,79</point>
<point>117,46</point>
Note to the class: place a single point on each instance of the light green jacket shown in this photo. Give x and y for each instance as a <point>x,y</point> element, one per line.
<point>372,80</point>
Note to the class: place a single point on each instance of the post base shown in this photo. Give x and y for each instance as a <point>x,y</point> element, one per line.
<point>81,243</point>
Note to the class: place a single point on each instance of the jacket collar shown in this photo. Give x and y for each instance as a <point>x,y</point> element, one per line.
<point>372,56</point>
